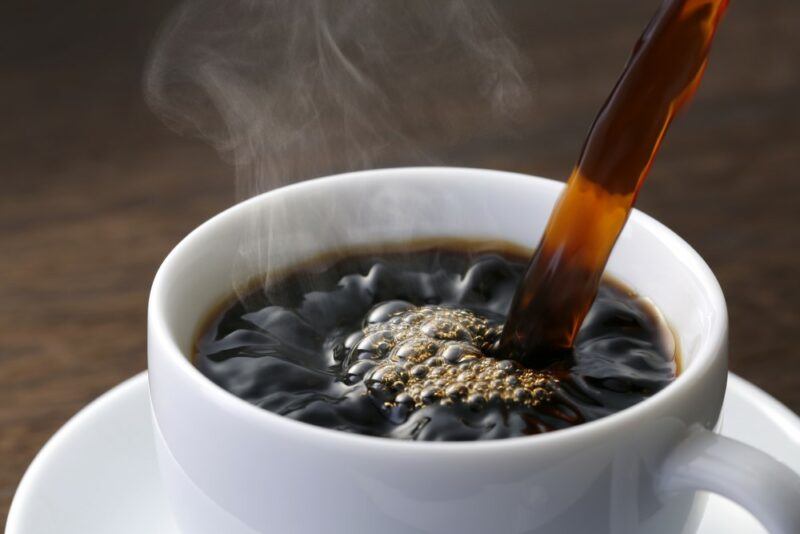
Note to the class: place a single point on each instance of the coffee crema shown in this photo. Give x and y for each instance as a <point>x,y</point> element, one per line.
<point>403,343</point>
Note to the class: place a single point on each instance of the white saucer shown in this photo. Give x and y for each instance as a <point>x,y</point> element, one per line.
<point>98,474</point>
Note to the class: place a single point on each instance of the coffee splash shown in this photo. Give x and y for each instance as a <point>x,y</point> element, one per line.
<point>564,274</point>
<point>400,344</point>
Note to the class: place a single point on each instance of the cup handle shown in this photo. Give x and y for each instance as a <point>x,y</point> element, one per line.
<point>706,461</point>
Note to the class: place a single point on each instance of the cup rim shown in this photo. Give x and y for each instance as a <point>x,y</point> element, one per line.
<point>703,359</point>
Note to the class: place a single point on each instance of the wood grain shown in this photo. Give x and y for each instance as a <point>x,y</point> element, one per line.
<point>94,191</point>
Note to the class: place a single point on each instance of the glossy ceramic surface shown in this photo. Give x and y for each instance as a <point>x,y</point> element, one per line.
<point>99,473</point>
<point>231,467</point>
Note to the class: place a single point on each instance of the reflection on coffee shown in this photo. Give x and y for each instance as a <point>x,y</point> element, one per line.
<point>404,344</point>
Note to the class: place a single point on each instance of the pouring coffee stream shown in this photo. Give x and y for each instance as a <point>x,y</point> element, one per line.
<point>564,274</point>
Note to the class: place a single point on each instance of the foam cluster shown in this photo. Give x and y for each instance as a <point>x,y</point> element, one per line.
<point>414,356</point>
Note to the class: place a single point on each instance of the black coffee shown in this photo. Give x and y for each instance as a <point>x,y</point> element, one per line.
<point>404,345</point>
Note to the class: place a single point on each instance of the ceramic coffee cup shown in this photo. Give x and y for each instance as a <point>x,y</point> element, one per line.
<point>230,467</point>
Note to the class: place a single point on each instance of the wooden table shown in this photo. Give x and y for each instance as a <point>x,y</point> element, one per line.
<point>94,190</point>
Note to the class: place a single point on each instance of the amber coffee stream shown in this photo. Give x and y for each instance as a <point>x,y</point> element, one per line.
<point>455,342</point>
<point>564,274</point>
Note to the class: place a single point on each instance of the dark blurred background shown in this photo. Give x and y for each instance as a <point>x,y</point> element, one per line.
<point>94,190</point>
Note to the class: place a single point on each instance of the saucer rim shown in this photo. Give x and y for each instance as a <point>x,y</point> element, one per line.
<point>777,413</point>
<point>49,451</point>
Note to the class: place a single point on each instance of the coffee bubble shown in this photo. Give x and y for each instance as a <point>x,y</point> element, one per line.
<point>383,312</point>
<point>411,356</point>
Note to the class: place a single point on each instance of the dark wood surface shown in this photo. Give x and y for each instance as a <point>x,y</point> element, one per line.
<point>94,191</point>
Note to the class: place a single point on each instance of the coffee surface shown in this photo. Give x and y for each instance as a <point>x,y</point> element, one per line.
<point>404,345</point>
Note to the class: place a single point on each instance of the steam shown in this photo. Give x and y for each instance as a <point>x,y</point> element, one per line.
<point>292,89</point>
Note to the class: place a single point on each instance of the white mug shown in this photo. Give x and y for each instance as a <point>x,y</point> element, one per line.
<point>230,467</point>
